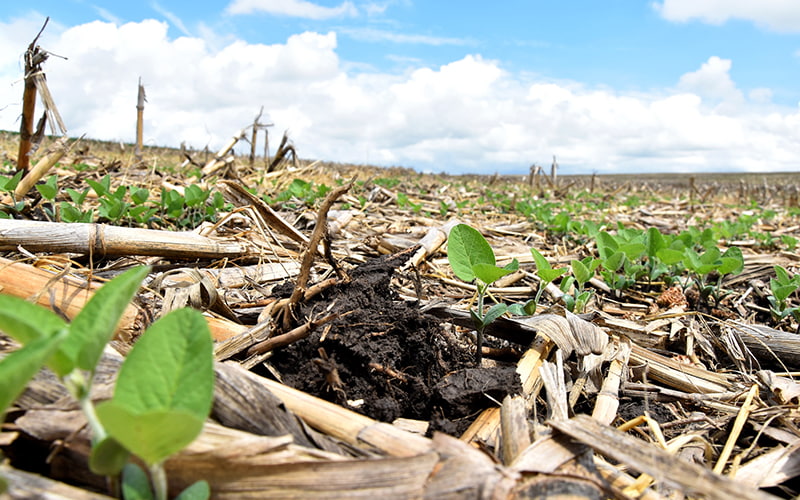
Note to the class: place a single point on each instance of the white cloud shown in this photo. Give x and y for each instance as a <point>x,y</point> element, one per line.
<point>712,81</point>
<point>106,15</point>
<point>376,35</point>
<point>777,15</point>
<point>468,115</point>
<point>171,17</point>
<point>291,8</point>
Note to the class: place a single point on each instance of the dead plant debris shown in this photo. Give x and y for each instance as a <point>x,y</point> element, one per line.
<point>345,350</point>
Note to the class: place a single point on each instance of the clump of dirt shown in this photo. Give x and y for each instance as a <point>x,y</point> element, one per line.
<point>384,358</point>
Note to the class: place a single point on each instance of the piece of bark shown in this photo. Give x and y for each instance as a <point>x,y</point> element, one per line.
<point>666,469</point>
<point>349,426</point>
<point>106,240</point>
<point>67,295</point>
<point>677,375</point>
<point>772,348</point>
<point>22,484</point>
<point>514,425</point>
<point>242,402</point>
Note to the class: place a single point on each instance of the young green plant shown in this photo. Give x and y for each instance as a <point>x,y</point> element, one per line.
<point>546,274</point>
<point>782,287</point>
<point>473,260</point>
<point>164,390</point>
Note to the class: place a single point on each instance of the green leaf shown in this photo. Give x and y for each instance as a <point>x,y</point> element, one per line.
<point>781,275</point>
<point>691,260</point>
<point>180,345</point>
<point>49,189</point>
<point>517,310</point>
<point>633,251</point>
<point>781,292</point>
<point>493,313</point>
<point>541,262</point>
<point>135,484</point>
<point>197,491</point>
<point>108,457</point>
<point>489,273</point>
<point>606,245</point>
<point>669,256</point>
<point>548,275</point>
<point>27,322</point>
<point>614,262</point>
<point>654,241</point>
<point>17,368</point>
<point>543,269</point>
<point>9,184</point>
<point>77,197</point>
<point>732,261</point>
<point>466,247</point>
<point>140,195</point>
<point>581,272</point>
<point>164,389</point>
<point>591,263</point>
<point>512,266</point>
<point>569,302</point>
<point>94,325</point>
<point>101,188</point>
<point>152,436</point>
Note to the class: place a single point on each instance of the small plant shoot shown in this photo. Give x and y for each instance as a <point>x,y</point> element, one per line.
<point>472,258</point>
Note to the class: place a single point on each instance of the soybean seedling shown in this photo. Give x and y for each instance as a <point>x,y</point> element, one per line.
<point>164,388</point>
<point>472,259</point>
<point>782,286</point>
<point>546,274</point>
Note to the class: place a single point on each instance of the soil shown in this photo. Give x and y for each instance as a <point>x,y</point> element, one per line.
<point>384,358</point>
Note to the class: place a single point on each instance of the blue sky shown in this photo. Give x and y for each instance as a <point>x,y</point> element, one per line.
<point>614,86</point>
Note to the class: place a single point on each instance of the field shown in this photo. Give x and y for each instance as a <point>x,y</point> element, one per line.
<point>610,336</point>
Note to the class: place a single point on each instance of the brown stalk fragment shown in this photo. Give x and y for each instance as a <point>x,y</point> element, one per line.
<point>666,469</point>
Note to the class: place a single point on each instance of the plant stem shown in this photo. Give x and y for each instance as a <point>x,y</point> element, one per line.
<point>98,431</point>
<point>479,331</point>
<point>159,477</point>
<point>81,390</point>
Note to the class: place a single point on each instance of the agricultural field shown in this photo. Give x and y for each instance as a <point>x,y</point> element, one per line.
<point>406,334</point>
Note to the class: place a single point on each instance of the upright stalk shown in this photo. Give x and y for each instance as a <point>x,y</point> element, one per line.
<point>158,476</point>
<point>481,324</point>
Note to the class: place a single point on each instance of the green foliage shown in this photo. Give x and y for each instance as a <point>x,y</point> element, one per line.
<point>466,247</point>
<point>471,257</point>
<point>9,184</point>
<point>575,294</point>
<point>782,287</point>
<point>299,193</point>
<point>17,368</point>
<point>155,413</point>
<point>164,390</point>
<point>49,189</point>
<point>546,274</point>
<point>94,325</point>
<point>404,202</point>
<point>135,484</point>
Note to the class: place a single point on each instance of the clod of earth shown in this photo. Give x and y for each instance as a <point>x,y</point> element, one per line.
<point>386,359</point>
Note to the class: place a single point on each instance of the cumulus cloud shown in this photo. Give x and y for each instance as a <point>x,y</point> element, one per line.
<point>777,15</point>
<point>470,115</point>
<point>291,8</point>
<point>712,81</point>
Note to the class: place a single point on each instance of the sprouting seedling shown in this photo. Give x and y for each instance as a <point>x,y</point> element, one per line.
<point>546,274</point>
<point>165,386</point>
<point>712,260</point>
<point>582,272</point>
<point>472,258</point>
<point>782,287</point>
